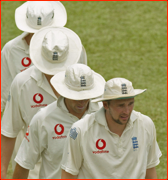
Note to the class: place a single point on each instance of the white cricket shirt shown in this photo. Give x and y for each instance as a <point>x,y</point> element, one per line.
<point>14,59</point>
<point>29,92</point>
<point>93,152</point>
<point>45,138</point>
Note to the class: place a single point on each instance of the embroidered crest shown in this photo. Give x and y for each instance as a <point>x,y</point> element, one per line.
<point>73,134</point>
<point>124,89</point>
<point>83,81</point>
<point>135,143</point>
<point>55,56</point>
<point>39,21</point>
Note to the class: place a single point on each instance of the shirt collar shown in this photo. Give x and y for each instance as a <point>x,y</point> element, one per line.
<point>22,44</point>
<point>37,75</point>
<point>41,80</point>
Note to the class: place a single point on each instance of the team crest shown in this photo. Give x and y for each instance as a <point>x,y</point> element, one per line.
<point>124,89</point>
<point>73,134</point>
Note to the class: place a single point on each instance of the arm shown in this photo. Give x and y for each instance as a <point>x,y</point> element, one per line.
<point>66,175</point>
<point>6,77</point>
<point>7,146</point>
<point>151,173</point>
<point>20,172</point>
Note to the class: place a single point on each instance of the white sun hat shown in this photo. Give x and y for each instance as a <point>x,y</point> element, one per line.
<point>119,88</point>
<point>34,15</point>
<point>52,49</point>
<point>78,82</point>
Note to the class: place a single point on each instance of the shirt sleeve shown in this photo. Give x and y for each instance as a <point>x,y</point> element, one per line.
<point>6,77</point>
<point>12,121</point>
<point>72,155</point>
<point>31,148</point>
<point>154,152</point>
<point>83,57</point>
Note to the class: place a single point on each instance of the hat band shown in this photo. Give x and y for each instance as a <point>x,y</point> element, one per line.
<point>119,95</point>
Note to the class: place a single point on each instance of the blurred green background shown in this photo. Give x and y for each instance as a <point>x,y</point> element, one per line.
<point>122,39</point>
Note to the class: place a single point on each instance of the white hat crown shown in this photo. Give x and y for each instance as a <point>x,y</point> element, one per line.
<point>79,77</point>
<point>55,46</point>
<point>118,86</point>
<point>39,15</point>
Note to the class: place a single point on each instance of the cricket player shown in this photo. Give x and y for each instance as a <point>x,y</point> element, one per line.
<point>48,129</point>
<point>115,142</point>
<point>52,49</point>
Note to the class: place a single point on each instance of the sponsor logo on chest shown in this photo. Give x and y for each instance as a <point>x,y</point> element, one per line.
<point>59,130</point>
<point>26,62</point>
<point>100,145</point>
<point>38,99</point>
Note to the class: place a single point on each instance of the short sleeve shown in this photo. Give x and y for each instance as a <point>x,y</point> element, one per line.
<point>154,152</point>
<point>6,77</point>
<point>30,150</point>
<point>83,57</point>
<point>12,121</point>
<point>72,155</point>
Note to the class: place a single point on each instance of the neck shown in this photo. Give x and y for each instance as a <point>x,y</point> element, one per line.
<point>28,38</point>
<point>48,77</point>
<point>113,126</point>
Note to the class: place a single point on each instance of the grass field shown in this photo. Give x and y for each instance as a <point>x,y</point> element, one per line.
<point>122,39</point>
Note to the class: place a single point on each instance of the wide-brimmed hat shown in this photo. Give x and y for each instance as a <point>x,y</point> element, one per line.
<point>78,82</point>
<point>34,15</point>
<point>52,49</point>
<point>119,88</point>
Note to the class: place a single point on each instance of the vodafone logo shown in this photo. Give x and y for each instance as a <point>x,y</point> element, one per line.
<point>100,144</point>
<point>38,98</point>
<point>26,61</point>
<point>59,129</point>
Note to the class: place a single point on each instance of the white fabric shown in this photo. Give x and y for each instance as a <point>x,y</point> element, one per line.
<point>43,141</point>
<point>114,157</point>
<point>119,88</point>
<point>78,82</point>
<point>33,15</point>
<point>27,90</point>
<point>14,59</point>
<point>71,49</point>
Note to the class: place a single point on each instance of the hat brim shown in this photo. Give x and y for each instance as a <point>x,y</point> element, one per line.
<point>59,84</point>
<point>75,48</point>
<point>123,96</point>
<point>60,16</point>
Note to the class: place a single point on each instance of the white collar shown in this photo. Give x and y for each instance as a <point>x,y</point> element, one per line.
<point>22,44</point>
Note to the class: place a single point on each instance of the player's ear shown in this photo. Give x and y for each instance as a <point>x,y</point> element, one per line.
<point>106,104</point>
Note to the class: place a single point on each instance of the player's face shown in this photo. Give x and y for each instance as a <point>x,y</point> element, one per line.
<point>120,110</point>
<point>77,108</point>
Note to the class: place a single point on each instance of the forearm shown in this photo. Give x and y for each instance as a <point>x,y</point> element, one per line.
<point>151,173</point>
<point>7,146</point>
<point>20,172</point>
<point>66,175</point>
